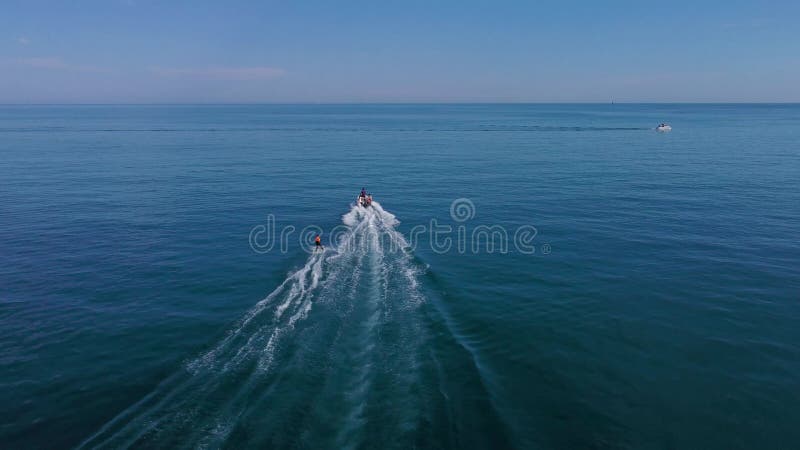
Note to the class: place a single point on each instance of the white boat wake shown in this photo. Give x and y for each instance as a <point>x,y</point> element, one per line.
<point>367,335</point>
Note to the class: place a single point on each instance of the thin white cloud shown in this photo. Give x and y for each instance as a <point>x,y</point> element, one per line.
<point>54,63</point>
<point>43,63</point>
<point>754,23</point>
<point>220,73</point>
<point>22,40</point>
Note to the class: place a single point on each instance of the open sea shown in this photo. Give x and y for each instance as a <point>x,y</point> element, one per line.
<point>529,276</point>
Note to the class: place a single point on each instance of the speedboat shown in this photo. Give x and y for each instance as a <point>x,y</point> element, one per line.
<point>364,200</point>
<point>663,128</point>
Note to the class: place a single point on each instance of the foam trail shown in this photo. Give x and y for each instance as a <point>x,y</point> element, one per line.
<point>365,286</point>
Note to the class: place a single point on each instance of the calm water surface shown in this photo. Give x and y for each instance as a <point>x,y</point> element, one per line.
<point>660,308</point>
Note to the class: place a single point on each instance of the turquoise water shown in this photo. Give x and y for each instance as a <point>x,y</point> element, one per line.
<point>656,306</point>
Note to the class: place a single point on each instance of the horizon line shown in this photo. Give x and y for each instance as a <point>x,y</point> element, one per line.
<point>401,103</point>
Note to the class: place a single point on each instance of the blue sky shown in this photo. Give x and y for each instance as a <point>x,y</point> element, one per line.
<point>151,51</point>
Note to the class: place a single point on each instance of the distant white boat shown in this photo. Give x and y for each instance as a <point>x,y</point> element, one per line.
<point>663,128</point>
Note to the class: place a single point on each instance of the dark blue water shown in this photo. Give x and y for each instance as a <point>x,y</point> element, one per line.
<point>653,304</point>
